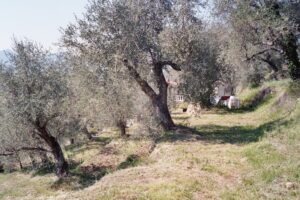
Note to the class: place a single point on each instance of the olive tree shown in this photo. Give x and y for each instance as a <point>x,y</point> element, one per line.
<point>101,98</point>
<point>128,35</point>
<point>18,144</point>
<point>35,90</point>
<point>264,32</point>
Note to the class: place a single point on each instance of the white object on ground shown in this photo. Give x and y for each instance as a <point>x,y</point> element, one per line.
<point>233,102</point>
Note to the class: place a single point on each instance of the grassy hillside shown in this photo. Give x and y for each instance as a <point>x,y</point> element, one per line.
<point>251,153</point>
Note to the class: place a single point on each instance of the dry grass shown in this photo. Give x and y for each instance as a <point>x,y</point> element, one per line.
<point>24,186</point>
<point>235,155</point>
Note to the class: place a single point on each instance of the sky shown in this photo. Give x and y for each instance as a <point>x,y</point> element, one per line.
<point>37,20</point>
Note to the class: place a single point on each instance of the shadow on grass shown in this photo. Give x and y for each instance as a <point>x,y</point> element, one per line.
<point>95,142</point>
<point>102,140</point>
<point>85,176</point>
<point>222,134</point>
<point>73,147</point>
<point>88,175</point>
<point>232,135</point>
<point>131,161</point>
<point>79,177</point>
<point>44,169</point>
<point>50,168</point>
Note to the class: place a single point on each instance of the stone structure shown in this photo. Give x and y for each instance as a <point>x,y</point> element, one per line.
<point>173,80</point>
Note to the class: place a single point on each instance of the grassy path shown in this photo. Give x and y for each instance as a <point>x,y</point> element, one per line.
<point>246,155</point>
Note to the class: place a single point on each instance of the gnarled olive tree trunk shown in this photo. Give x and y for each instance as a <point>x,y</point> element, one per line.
<point>289,46</point>
<point>62,167</point>
<point>122,127</point>
<point>159,100</point>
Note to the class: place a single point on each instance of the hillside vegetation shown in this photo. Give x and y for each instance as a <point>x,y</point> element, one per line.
<point>251,153</point>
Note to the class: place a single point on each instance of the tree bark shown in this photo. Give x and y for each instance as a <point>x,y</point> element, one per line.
<point>19,160</point>
<point>62,167</point>
<point>159,101</point>
<point>164,115</point>
<point>289,47</point>
<point>122,127</point>
<point>270,63</point>
<point>33,160</point>
<point>87,133</point>
<point>1,168</point>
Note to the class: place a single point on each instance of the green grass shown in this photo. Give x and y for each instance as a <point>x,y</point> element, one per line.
<point>262,154</point>
<point>245,154</point>
<point>274,161</point>
<point>177,189</point>
<point>16,186</point>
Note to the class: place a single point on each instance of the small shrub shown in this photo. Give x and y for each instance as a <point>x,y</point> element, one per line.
<point>131,161</point>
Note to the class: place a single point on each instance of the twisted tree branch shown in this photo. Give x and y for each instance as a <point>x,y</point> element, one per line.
<point>142,83</point>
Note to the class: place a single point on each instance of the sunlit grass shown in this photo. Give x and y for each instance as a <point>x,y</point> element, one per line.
<point>251,154</point>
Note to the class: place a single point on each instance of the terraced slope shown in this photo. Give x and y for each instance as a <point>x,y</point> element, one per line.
<point>253,153</point>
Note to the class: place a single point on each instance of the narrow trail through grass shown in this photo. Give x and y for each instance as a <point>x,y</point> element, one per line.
<point>233,155</point>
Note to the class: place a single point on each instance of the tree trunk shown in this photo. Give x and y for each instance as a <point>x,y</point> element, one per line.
<point>33,161</point>
<point>289,47</point>
<point>290,50</point>
<point>270,63</point>
<point>1,168</point>
<point>122,127</point>
<point>19,160</point>
<point>159,101</point>
<point>87,133</point>
<point>62,167</point>
<point>164,115</point>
